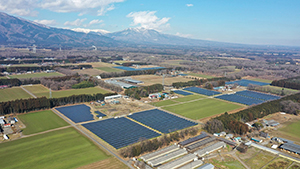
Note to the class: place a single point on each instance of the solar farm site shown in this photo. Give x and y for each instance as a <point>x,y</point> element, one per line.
<point>120,132</point>
<point>245,82</point>
<point>161,120</point>
<point>78,113</point>
<point>248,97</point>
<point>184,93</point>
<point>202,91</point>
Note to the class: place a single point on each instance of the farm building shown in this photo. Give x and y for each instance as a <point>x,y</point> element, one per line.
<point>193,139</point>
<point>281,140</point>
<point>231,143</point>
<point>294,148</point>
<point>121,84</point>
<point>271,123</point>
<point>209,149</point>
<point>229,136</point>
<point>2,122</point>
<point>133,81</point>
<point>256,140</point>
<point>206,166</point>
<point>193,164</point>
<point>179,162</point>
<point>155,95</point>
<point>265,148</point>
<point>167,157</point>
<point>118,96</point>
<point>3,86</point>
<point>264,135</point>
<point>200,143</point>
<point>160,152</point>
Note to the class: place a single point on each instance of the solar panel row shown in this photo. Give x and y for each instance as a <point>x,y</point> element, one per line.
<point>120,132</point>
<point>193,139</point>
<point>248,97</point>
<point>202,91</point>
<point>100,114</point>
<point>78,113</point>
<point>245,82</point>
<point>161,120</point>
<point>182,92</point>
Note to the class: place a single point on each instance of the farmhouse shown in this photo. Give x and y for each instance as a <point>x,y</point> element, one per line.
<point>256,140</point>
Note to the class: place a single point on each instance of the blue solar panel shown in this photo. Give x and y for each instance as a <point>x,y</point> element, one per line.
<point>161,120</point>
<point>202,91</point>
<point>120,132</point>
<point>182,92</point>
<point>245,82</point>
<point>77,113</point>
<point>133,69</point>
<point>248,97</point>
<point>100,114</point>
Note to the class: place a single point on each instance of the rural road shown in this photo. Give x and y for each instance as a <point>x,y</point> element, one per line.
<point>91,138</point>
<point>28,92</point>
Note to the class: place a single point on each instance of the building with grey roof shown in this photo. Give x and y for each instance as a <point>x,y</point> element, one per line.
<point>207,166</point>
<point>160,152</point>
<point>179,162</point>
<point>167,157</point>
<point>209,149</point>
<point>193,164</point>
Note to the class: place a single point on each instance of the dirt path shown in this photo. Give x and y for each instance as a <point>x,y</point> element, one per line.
<point>242,162</point>
<point>30,135</point>
<point>28,92</point>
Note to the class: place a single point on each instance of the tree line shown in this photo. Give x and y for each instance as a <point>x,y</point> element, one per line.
<point>235,122</point>
<point>33,104</point>
<point>143,91</point>
<point>292,83</point>
<point>213,81</point>
<point>130,73</point>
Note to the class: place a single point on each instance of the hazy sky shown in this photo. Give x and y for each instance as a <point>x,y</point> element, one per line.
<point>273,22</point>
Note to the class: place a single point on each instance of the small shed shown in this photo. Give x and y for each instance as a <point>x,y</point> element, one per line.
<point>256,139</point>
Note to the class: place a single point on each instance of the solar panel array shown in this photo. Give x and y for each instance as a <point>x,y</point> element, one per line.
<point>193,139</point>
<point>133,69</point>
<point>161,120</point>
<point>120,132</point>
<point>257,95</point>
<point>77,113</point>
<point>202,91</point>
<point>182,92</point>
<point>245,82</point>
<point>100,114</point>
<point>248,97</point>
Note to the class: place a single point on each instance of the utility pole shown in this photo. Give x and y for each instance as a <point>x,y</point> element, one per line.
<point>163,81</point>
<point>50,94</point>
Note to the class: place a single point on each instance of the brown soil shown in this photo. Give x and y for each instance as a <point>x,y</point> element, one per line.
<point>111,163</point>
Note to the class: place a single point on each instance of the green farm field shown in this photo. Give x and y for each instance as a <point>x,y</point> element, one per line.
<point>163,103</point>
<point>202,108</point>
<point>260,159</point>
<point>36,75</point>
<point>3,77</point>
<point>64,148</point>
<point>13,94</point>
<point>291,129</point>
<point>201,75</point>
<point>261,80</point>
<point>41,121</point>
<point>189,98</point>
<point>39,91</point>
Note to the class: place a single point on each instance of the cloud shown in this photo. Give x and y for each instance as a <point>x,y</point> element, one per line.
<point>77,22</point>
<point>148,20</point>
<point>189,5</point>
<point>184,35</point>
<point>95,21</point>
<point>90,30</point>
<point>28,7</point>
<point>47,22</point>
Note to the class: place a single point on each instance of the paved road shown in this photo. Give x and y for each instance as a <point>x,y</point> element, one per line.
<point>28,92</point>
<point>94,140</point>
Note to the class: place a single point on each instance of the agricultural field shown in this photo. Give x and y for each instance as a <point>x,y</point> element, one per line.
<point>291,129</point>
<point>109,69</point>
<point>39,91</point>
<point>278,163</point>
<point>13,94</point>
<point>260,159</point>
<point>153,79</point>
<point>201,75</point>
<point>163,103</point>
<point>35,75</point>
<point>91,72</point>
<point>227,162</point>
<point>202,108</point>
<point>189,98</point>
<point>261,80</point>
<point>41,121</point>
<point>3,77</point>
<point>64,148</point>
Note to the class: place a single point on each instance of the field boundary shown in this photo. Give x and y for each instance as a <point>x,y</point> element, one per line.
<point>28,92</point>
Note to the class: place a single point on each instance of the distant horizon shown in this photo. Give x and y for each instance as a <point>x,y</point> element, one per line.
<point>268,22</point>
